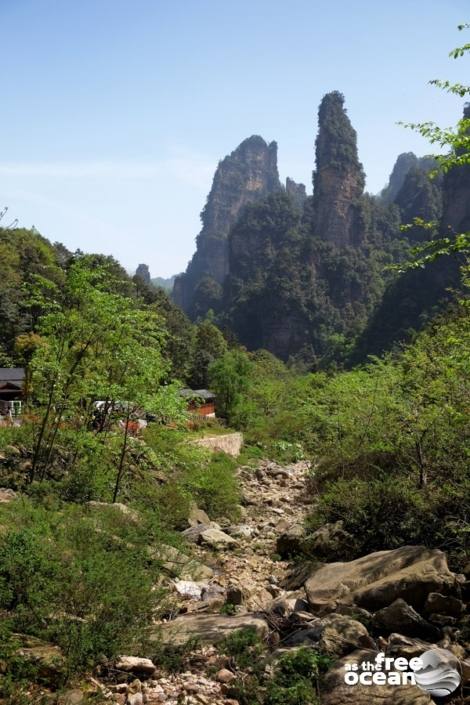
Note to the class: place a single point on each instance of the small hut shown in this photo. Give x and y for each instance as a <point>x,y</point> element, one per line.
<point>201,402</point>
<point>12,381</point>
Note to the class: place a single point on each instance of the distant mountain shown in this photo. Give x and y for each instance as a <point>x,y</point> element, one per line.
<point>406,162</point>
<point>246,175</point>
<point>143,273</point>
<point>166,284</point>
<point>308,277</point>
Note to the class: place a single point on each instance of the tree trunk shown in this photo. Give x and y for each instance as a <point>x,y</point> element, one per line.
<point>123,455</point>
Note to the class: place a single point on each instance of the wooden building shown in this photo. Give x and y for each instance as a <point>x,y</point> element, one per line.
<point>200,401</point>
<point>12,381</point>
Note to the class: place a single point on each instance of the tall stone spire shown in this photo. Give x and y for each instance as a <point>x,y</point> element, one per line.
<point>338,181</point>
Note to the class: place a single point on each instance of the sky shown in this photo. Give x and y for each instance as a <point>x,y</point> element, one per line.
<point>115,113</point>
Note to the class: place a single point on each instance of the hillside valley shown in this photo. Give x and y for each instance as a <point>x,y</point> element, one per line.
<point>248,484</point>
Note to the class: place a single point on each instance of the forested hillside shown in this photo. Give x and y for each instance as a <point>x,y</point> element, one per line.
<point>306,278</point>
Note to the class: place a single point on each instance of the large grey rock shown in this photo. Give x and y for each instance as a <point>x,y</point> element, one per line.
<point>46,659</point>
<point>207,628</point>
<point>197,516</point>
<point>189,589</point>
<point>399,645</point>
<point>443,604</point>
<point>336,692</point>
<point>342,634</point>
<point>216,538</point>
<point>402,618</point>
<point>193,533</point>
<point>378,579</point>
<point>290,541</point>
<point>330,542</point>
<point>178,564</point>
<point>136,665</point>
<point>242,531</point>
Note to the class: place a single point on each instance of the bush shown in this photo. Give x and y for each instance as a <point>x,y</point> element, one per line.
<point>244,647</point>
<point>296,678</point>
<point>391,512</point>
<point>193,474</point>
<point>80,580</point>
<point>296,675</point>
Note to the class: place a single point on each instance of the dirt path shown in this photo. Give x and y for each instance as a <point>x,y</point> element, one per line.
<point>274,498</point>
<point>247,578</point>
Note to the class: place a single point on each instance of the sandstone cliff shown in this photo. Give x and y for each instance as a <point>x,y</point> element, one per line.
<point>296,192</point>
<point>143,273</point>
<point>338,181</point>
<point>244,176</point>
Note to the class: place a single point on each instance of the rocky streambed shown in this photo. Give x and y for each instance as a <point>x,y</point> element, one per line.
<point>402,602</point>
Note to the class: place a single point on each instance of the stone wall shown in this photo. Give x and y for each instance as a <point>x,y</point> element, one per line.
<point>230,443</point>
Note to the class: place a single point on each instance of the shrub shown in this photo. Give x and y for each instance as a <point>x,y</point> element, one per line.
<point>194,474</point>
<point>297,677</point>
<point>244,647</point>
<point>391,512</point>
<point>79,580</point>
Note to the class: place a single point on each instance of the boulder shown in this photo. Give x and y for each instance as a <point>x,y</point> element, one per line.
<point>123,509</point>
<point>225,676</point>
<point>330,542</point>
<point>399,645</point>
<point>242,531</point>
<point>290,541</point>
<point>47,659</point>
<point>207,628</point>
<point>178,564</point>
<point>306,636</point>
<point>197,516</point>
<point>7,495</point>
<point>193,534</point>
<point>134,664</point>
<point>72,697</point>
<point>402,618</point>
<point>342,634</point>
<point>443,604</point>
<point>337,692</point>
<point>216,538</point>
<point>188,589</point>
<point>378,579</point>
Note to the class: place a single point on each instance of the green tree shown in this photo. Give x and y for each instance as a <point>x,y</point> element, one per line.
<point>98,346</point>
<point>228,377</point>
<point>209,345</point>
<point>456,157</point>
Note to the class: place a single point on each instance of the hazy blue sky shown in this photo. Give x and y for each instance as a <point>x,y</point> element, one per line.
<point>114,113</point>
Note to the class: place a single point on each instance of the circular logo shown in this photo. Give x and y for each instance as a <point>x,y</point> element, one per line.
<point>438,674</point>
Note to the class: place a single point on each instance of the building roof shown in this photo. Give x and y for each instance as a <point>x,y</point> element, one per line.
<point>204,394</point>
<point>14,375</point>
